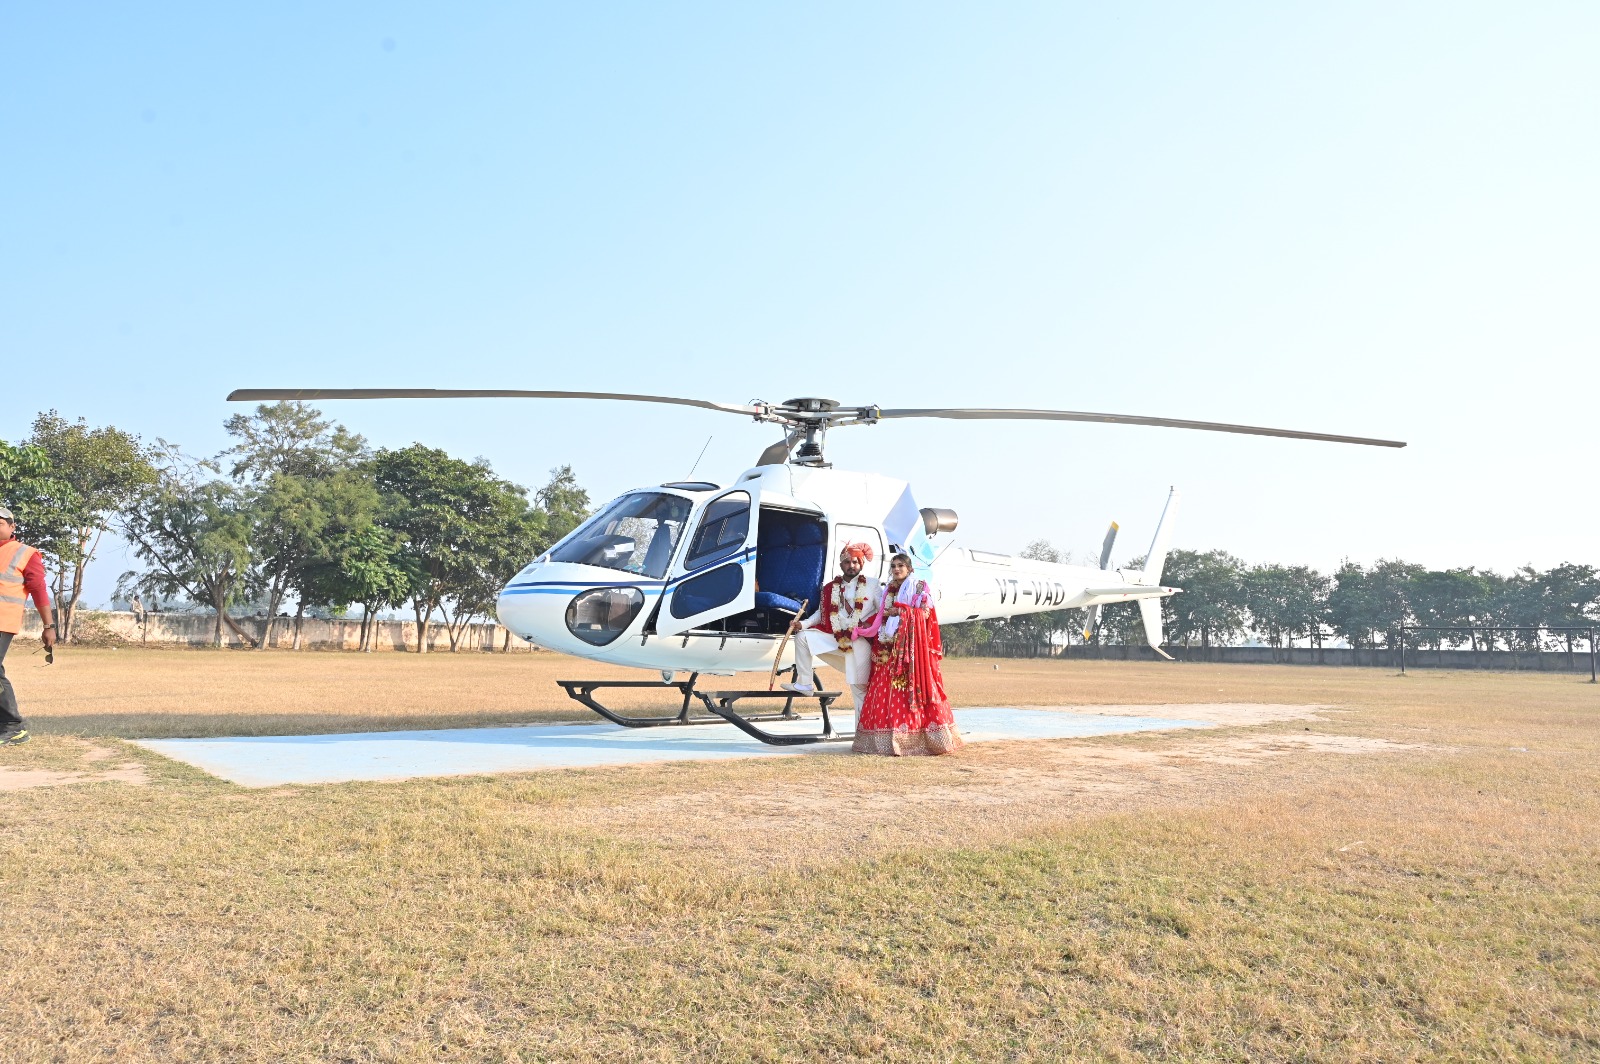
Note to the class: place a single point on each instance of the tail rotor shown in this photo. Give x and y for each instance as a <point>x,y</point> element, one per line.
<point>1105,563</point>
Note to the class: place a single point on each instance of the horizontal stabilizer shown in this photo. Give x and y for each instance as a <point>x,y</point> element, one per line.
<point>1130,592</point>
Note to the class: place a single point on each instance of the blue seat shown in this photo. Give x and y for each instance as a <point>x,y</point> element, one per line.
<point>790,552</point>
<point>771,600</point>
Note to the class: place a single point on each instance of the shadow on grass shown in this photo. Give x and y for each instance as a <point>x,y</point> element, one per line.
<point>215,725</point>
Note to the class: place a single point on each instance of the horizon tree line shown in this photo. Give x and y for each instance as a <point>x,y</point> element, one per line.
<point>1225,599</point>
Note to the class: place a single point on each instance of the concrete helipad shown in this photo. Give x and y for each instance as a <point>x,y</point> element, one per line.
<point>270,761</point>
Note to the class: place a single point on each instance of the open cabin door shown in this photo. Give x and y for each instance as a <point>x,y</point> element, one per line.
<point>715,578</point>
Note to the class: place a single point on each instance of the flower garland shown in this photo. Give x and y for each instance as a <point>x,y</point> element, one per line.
<point>841,634</point>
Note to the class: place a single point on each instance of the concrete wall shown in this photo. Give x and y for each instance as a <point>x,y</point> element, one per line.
<point>1547,661</point>
<point>198,629</point>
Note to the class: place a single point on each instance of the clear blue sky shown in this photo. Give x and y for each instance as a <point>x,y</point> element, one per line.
<point>1372,219</point>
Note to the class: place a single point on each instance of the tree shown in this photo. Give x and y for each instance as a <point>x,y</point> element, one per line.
<point>42,502</point>
<point>297,467</point>
<point>490,566</point>
<point>1367,603</point>
<point>1449,598</point>
<point>286,536</point>
<point>193,532</point>
<point>455,522</point>
<point>292,438</point>
<point>564,504</point>
<point>106,469</point>
<point>365,566</point>
<point>1573,594</point>
<point>302,526</point>
<point>1284,601</point>
<point>1521,605</point>
<point>965,638</point>
<point>1212,605</point>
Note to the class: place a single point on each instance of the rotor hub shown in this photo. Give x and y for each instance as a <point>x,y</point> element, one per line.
<point>810,406</point>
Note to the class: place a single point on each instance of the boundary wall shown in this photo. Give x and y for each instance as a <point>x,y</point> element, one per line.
<point>199,630</point>
<point>1381,657</point>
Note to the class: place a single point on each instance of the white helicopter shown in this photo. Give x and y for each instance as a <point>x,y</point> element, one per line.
<point>705,578</point>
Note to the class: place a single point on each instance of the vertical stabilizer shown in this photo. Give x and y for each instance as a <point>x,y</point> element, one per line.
<point>1157,558</point>
<point>1150,614</point>
<point>1155,561</point>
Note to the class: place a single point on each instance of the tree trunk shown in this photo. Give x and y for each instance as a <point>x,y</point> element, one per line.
<point>58,608</point>
<point>299,618</point>
<point>245,637</point>
<point>453,627</point>
<point>422,625</point>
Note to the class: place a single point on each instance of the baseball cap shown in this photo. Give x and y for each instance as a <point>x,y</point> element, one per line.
<point>5,515</point>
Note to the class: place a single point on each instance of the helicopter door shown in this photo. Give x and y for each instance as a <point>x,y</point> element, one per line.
<point>716,577</point>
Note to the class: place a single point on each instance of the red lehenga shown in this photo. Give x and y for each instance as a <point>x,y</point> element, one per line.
<point>906,712</point>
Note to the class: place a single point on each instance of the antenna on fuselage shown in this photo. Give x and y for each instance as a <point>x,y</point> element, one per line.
<point>701,455</point>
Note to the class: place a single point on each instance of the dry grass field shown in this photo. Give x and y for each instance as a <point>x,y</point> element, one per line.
<point>1408,874</point>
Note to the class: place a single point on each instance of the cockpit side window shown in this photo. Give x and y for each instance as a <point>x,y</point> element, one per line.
<point>635,534</point>
<point>723,529</point>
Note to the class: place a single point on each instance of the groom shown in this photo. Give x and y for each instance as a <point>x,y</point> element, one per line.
<point>848,601</point>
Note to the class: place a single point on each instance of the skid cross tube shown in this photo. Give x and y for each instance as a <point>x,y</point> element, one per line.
<point>722,704</point>
<point>582,691</point>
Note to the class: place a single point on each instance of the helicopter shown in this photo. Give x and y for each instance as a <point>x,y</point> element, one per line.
<point>706,578</point>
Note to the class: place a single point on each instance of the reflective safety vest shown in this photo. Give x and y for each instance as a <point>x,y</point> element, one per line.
<point>14,557</point>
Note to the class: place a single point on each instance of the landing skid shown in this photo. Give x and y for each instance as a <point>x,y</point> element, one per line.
<point>720,704</point>
<point>723,707</point>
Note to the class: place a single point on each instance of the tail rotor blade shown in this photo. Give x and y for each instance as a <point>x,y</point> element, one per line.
<point>1105,549</point>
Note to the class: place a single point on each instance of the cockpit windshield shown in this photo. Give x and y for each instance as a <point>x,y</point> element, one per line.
<point>636,534</point>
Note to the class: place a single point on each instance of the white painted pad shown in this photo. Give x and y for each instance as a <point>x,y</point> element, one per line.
<point>270,761</point>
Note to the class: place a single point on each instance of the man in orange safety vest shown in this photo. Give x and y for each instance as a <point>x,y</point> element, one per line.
<point>21,575</point>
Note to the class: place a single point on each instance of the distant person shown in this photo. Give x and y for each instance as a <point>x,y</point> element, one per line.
<point>906,712</point>
<point>138,611</point>
<point>21,575</point>
<point>845,602</point>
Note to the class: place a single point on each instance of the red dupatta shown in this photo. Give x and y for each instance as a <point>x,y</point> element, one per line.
<point>917,651</point>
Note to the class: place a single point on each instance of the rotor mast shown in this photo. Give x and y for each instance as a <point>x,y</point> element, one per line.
<point>807,420</point>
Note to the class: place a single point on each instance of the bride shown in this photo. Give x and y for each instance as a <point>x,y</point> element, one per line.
<point>906,711</point>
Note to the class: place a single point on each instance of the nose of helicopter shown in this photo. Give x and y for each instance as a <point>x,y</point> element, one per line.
<point>517,605</point>
<point>562,606</point>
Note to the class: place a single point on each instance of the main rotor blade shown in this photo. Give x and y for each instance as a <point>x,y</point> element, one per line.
<point>246,395</point>
<point>976,414</point>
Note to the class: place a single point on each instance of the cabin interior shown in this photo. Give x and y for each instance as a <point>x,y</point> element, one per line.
<point>791,563</point>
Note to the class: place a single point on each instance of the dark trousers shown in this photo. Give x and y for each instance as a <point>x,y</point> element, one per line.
<point>8,697</point>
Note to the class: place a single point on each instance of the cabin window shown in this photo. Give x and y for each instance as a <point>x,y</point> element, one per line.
<point>723,530</point>
<point>636,534</point>
<point>989,559</point>
<point>708,590</point>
